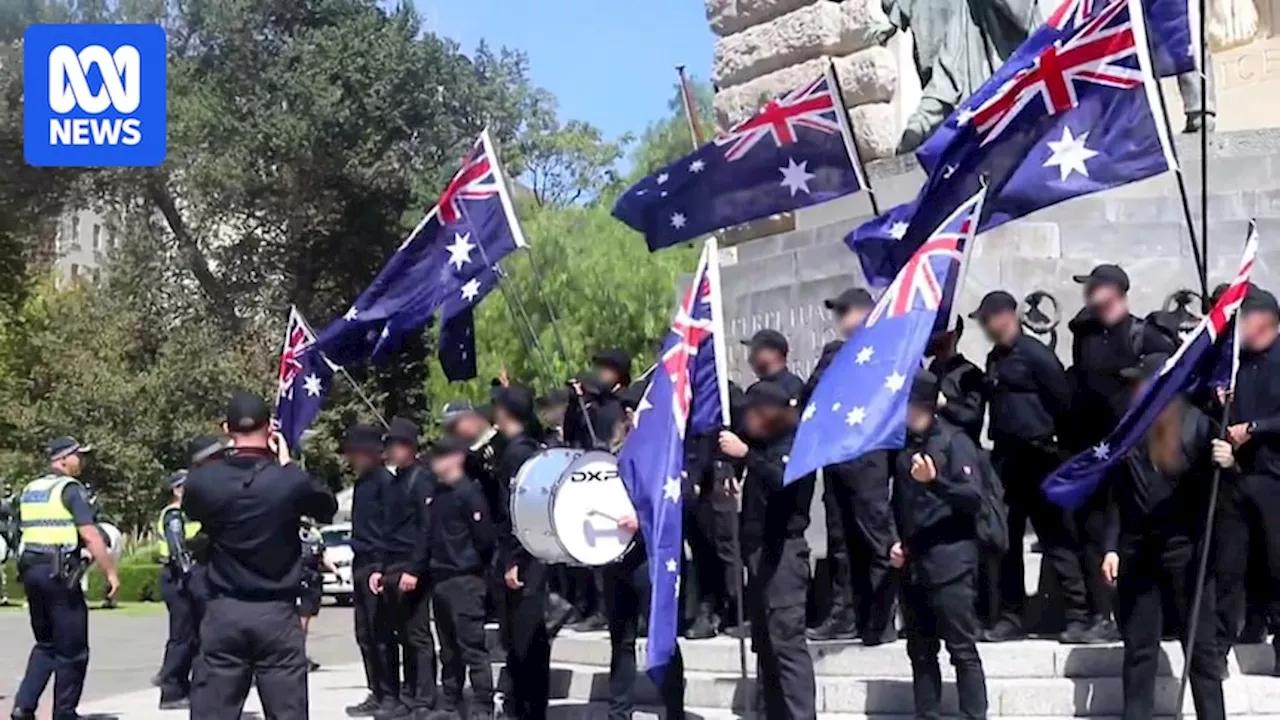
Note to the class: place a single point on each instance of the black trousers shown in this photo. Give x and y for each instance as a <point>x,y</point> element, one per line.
<point>708,523</point>
<point>626,594</point>
<point>1023,470</point>
<point>859,525</point>
<point>939,615</point>
<point>1091,526</point>
<point>1148,591</point>
<point>180,649</point>
<point>776,599</point>
<point>459,610</point>
<point>524,635</point>
<point>1247,535</point>
<point>410,656</point>
<point>251,643</point>
<point>60,624</point>
<point>372,636</point>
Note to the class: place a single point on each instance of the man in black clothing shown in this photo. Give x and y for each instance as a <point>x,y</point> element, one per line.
<point>362,448</point>
<point>936,499</point>
<point>859,521</point>
<point>461,543</point>
<point>1106,339</point>
<point>774,518</point>
<point>1249,516</point>
<point>250,503</point>
<point>962,396</point>
<point>1029,399</point>
<point>405,589</point>
<point>768,358</point>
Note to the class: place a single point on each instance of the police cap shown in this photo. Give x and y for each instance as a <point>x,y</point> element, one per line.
<point>64,446</point>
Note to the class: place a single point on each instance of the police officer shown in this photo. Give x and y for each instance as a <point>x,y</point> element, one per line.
<point>250,503</point>
<point>936,500</point>
<point>774,518</point>
<point>1030,401</point>
<point>1106,339</point>
<point>180,592</point>
<point>461,542</point>
<point>1251,503</point>
<point>362,449</point>
<point>767,354</point>
<point>55,520</point>
<point>1157,497</point>
<point>314,565</point>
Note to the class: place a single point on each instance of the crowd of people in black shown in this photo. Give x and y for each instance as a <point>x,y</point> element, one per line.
<point>909,554</point>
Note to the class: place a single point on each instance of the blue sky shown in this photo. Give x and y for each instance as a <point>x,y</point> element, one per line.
<point>609,62</point>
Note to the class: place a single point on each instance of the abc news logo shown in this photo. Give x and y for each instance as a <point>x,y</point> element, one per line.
<point>121,91</point>
<point>95,95</point>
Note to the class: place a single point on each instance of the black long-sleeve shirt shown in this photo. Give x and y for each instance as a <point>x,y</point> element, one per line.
<point>368,517</point>
<point>462,535</point>
<point>249,507</point>
<point>516,452</point>
<point>1028,393</point>
<point>964,387</point>
<point>789,381</point>
<point>1257,400</point>
<point>937,521</point>
<point>772,513</point>
<point>1152,514</point>
<point>405,517</point>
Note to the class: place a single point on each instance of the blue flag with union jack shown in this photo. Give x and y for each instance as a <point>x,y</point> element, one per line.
<point>302,382</point>
<point>797,151</point>
<point>457,350</point>
<point>1077,117</point>
<point>1197,363</point>
<point>470,228</point>
<point>860,403</point>
<point>653,456</point>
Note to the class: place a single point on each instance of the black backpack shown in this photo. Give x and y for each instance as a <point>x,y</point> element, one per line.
<point>993,514</point>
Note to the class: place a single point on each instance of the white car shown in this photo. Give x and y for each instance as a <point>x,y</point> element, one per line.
<point>337,551</point>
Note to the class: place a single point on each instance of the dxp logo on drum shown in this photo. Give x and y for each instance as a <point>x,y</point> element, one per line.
<point>94,95</point>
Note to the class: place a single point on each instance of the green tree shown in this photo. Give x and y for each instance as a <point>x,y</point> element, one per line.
<point>666,141</point>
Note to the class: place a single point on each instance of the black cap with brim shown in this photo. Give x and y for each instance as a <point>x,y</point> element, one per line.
<point>771,339</point>
<point>924,389</point>
<point>455,410</point>
<point>65,446</point>
<point>1105,274</point>
<point>362,439</point>
<point>849,299</point>
<point>994,303</point>
<point>1147,366</point>
<point>768,394</point>
<point>1259,300</point>
<point>448,445</point>
<point>247,412</point>
<point>403,430</point>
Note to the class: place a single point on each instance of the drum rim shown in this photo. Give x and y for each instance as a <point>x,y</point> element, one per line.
<point>513,498</point>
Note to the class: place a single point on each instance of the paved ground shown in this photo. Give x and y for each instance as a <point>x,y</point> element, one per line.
<point>125,650</point>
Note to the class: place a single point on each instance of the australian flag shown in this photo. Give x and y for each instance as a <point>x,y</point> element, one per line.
<point>457,351</point>
<point>302,381</point>
<point>1197,363</point>
<point>472,227</point>
<point>797,151</point>
<point>652,459</point>
<point>860,404</point>
<point>1075,116</point>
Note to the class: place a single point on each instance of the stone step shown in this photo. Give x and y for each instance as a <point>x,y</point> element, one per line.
<point>1032,697</point>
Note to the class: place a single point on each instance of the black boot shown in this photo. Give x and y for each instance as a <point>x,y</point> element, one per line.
<point>704,625</point>
<point>1004,631</point>
<point>594,623</point>
<point>840,625</point>
<point>1254,632</point>
<point>1103,631</point>
<point>365,708</point>
<point>1078,633</point>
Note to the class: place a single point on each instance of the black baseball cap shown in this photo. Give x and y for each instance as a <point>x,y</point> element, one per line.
<point>616,360</point>
<point>1105,274</point>
<point>1147,365</point>
<point>1259,300</point>
<point>771,339</point>
<point>994,303</point>
<point>448,444</point>
<point>767,393</point>
<point>924,389</point>
<point>854,297</point>
<point>64,446</point>
<point>403,430</point>
<point>246,412</point>
<point>362,438</point>
<point>455,410</point>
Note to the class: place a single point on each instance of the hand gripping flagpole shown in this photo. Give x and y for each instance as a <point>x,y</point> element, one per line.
<point>712,249</point>
<point>1206,541</point>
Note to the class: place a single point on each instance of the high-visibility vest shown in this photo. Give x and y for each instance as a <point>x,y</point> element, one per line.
<point>189,529</point>
<point>46,522</point>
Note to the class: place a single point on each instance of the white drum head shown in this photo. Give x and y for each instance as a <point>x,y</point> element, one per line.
<point>532,495</point>
<point>113,538</point>
<point>4,550</point>
<point>589,501</point>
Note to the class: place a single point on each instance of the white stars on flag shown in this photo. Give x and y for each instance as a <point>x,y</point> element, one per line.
<point>1069,154</point>
<point>672,566</point>
<point>471,290</point>
<point>678,220</point>
<point>312,385</point>
<point>351,314</point>
<point>796,177</point>
<point>864,355</point>
<point>898,230</point>
<point>671,489</point>
<point>809,411</point>
<point>855,416</point>
<point>1101,451</point>
<point>662,178</point>
<point>895,381</point>
<point>697,166</point>
<point>460,250</point>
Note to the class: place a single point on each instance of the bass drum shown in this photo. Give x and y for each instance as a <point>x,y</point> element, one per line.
<point>113,538</point>
<point>532,497</point>
<point>588,501</point>
<point>4,550</point>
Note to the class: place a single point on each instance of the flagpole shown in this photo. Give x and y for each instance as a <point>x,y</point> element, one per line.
<point>335,367</point>
<point>1204,158</point>
<point>1202,570</point>
<point>1201,262</point>
<point>531,345</point>
<point>846,132</point>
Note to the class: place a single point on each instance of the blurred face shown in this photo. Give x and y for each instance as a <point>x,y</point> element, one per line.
<point>177,494</point>
<point>401,454</point>
<point>1001,328</point>
<point>757,421</point>
<point>469,427</point>
<point>608,376</point>
<point>508,425</point>
<point>766,361</point>
<point>1258,329</point>
<point>919,419</point>
<point>941,344</point>
<point>360,460</point>
<point>1108,303</point>
<point>71,465</point>
<point>850,320</point>
<point>448,467</point>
